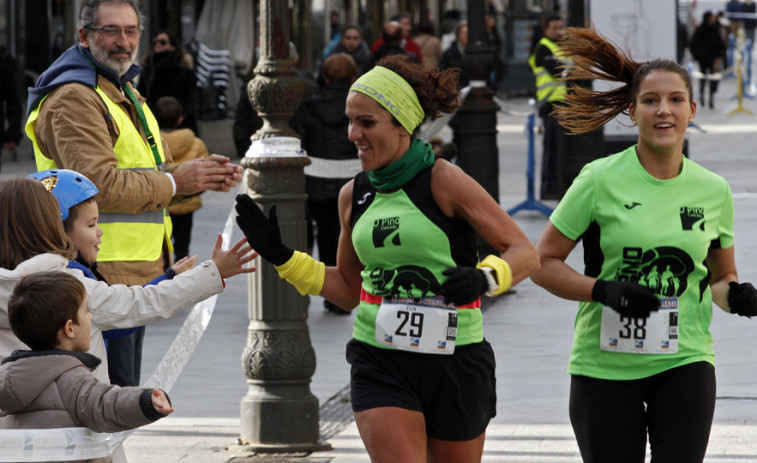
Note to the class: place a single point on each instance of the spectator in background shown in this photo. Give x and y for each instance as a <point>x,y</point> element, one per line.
<point>708,48</point>
<point>352,43</point>
<point>323,127</point>
<point>391,44</point>
<point>545,63</point>
<point>429,43</point>
<point>10,103</point>
<point>495,42</point>
<point>184,146</point>
<point>169,71</point>
<point>750,23</point>
<point>683,40</point>
<point>538,31</point>
<point>449,23</point>
<point>734,7</point>
<point>406,41</point>
<point>335,23</point>
<point>453,56</point>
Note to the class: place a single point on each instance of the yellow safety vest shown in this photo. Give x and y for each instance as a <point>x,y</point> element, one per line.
<point>126,237</point>
<point>548,88</point>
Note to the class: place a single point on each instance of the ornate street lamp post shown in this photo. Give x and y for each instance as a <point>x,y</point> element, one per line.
<point>279,414</point>
<point>477,130</point>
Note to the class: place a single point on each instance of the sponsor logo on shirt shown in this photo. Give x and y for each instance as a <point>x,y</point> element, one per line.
<point>386,230</point>
<point>692,217</point>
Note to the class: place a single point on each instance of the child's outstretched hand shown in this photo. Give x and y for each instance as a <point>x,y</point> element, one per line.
<point>232,262</point>
<point>160,402</point>
<point>184,264</point>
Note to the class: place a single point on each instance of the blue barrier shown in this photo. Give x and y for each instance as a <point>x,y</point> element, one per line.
<point>531,203</point>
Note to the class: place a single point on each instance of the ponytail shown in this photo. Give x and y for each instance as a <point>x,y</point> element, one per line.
<point>595,58</point>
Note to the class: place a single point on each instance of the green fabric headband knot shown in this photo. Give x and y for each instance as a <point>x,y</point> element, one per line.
<point>392,92</point>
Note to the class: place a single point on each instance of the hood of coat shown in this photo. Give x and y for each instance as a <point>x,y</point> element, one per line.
<point>24,375</point>
<point>75,65</point>
<point>328,105</point>
<point>9,278</point>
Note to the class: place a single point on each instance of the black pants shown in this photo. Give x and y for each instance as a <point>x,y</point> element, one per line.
<point>325,213</point>
<point>611,419</point>
<point>182,233</point>
<point>707,66</point>
<point>549,173</point>
<point>125,359</point>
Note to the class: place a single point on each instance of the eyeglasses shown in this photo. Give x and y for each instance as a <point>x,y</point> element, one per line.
<point>160,42</point>
<point>115,31</point>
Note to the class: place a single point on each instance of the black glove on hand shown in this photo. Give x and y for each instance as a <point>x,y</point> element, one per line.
<point>742,297</point>
<point>627,298</point>
<point>262,232</point>
<point>463,285</point>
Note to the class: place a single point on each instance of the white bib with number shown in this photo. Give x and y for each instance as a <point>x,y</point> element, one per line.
<point>426,325</point>
<point>656,334</point>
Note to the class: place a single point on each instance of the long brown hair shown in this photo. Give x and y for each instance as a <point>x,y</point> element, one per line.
<point>595,57</point>
<point>30,223</point>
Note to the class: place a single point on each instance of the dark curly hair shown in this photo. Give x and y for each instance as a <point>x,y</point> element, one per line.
<point>437,89</point>
<point>595,57</point>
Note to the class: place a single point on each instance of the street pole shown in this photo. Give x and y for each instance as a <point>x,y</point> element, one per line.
<point>279,414</point>
<point>477,118</point>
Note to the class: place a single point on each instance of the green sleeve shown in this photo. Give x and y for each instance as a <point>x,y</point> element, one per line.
<point>576,209</point>
<point>725,224</point>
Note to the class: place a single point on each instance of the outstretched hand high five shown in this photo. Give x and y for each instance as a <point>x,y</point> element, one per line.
<point>262,232</point>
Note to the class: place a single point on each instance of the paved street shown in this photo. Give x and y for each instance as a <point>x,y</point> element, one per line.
<point>530,330</point>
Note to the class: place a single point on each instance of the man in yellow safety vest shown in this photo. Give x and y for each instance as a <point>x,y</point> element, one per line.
<point>545,62</point>
<point>85,115</point>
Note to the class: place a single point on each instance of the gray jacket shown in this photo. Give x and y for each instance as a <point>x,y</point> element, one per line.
<point>56,389</point>
<point>113,306</point>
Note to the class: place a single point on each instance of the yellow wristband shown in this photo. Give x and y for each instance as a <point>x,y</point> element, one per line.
<point>503,272</point>
<point>304,272</point>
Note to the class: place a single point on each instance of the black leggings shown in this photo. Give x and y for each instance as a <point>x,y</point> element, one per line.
<point>611,418</point>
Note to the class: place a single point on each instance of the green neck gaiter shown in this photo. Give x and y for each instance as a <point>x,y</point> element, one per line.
<point>418,157</point>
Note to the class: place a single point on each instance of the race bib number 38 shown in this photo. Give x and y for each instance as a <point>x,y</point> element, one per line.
<point>425,325</point>
<point>656,334</point>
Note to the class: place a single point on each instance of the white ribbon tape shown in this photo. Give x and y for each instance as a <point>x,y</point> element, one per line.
<point>333,168</point>
<point>67,444</point>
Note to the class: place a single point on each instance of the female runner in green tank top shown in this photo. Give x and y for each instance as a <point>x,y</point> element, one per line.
<point>657,233</point>
<point>423,386</point>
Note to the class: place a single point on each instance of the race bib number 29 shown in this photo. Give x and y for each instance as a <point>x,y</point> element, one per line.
<point>656,334</point>
<point>425,325</point>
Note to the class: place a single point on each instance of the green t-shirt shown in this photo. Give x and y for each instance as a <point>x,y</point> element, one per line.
<point>405,244</point>
<point>655,232</point>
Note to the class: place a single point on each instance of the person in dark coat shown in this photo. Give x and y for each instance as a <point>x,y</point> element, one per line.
<point>168,71</point>
<point>353,44</point>
<point>392,45</point>
<point>323,127</point>
<point>453,56</point>
<point>708,49</point>
<point>10,103</point>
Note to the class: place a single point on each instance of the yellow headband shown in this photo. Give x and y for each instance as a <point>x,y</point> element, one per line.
<point>392,92</point>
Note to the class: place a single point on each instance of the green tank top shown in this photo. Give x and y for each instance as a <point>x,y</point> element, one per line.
<point>405,243</point>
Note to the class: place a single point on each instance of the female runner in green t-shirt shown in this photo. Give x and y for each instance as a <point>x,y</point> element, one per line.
<point>657,233</point>
<point>422,378</point>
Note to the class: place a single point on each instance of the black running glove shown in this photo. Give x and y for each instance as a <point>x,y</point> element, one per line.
<point>627,298</point>
<point>742,298</point>
<point>262,232</point>
<point>463,285</point>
